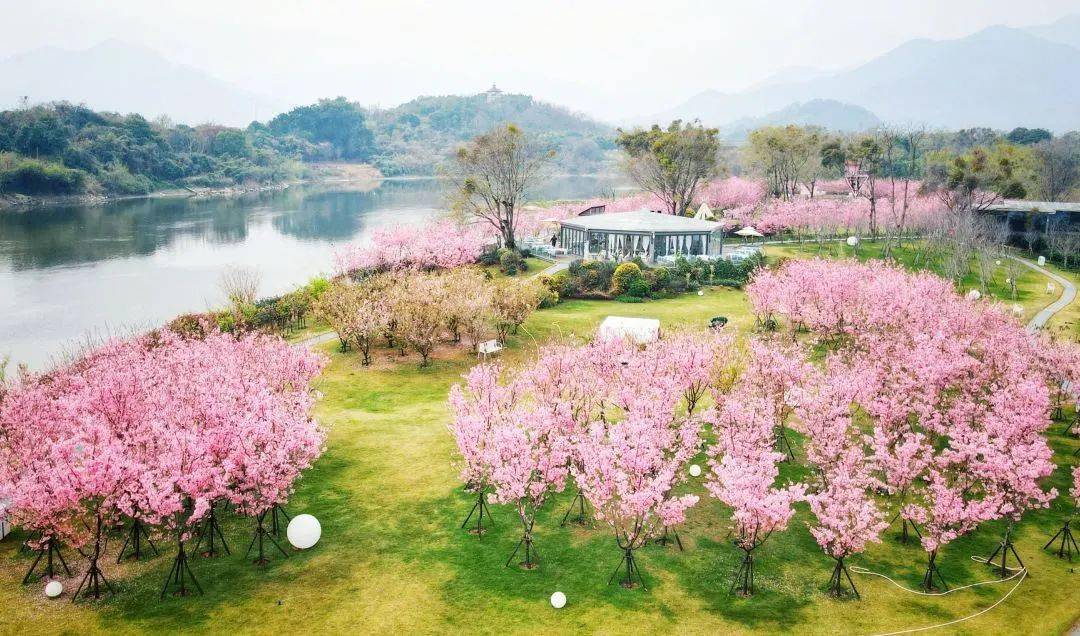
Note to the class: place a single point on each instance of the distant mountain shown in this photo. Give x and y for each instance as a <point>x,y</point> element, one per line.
<point>122,77</point>
<point>999,77</point>
<point>826,113</point>
<point>1064,31</point>
<point>418,135</point>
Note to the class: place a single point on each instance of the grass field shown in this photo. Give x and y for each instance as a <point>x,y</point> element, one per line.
<point>393,559</point>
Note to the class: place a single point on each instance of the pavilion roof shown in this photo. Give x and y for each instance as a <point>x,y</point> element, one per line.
<point>1043,207</point>
<point>641,221</point>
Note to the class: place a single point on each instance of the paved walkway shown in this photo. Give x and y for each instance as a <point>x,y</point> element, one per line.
<point>1068,294</point>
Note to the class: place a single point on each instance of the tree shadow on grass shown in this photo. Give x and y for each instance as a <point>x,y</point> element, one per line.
<point>231,580</point>
<point>775,605</point>
<point>581,561</point>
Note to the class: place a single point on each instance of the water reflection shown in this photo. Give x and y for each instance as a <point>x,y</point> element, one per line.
<point>66,271</point>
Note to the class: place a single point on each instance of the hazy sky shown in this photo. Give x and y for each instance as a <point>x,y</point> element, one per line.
<point>609,58</point>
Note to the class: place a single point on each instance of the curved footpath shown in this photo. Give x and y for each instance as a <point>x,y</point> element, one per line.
<point>1068,295</point>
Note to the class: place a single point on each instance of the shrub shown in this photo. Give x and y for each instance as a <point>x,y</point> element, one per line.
<point>598,274</point>
<point>629,299</point>
<point>117,179</point>
<point>730,282</point>
<point>317,287</point>
<point>557,283</point>
<point>510,262</point>
<point>624,276</point>
<point>726,270</point>
<point>549,299</point>
<point>638,288</point>
<point>31,176</point>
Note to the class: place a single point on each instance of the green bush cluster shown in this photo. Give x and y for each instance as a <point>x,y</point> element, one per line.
<point>33,176</point>
<point>633,279</point>
<point>274,314</point>
<point>510,262</point>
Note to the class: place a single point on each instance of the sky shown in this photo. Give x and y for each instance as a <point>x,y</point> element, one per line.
<point>610,59</point>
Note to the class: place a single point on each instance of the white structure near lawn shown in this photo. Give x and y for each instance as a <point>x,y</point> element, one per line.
<point>639,330</point>
<point>651,235</point>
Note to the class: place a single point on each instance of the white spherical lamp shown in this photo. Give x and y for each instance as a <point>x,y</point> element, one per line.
<point>303,531</point>
<point>54,589</point>
<point>701,292</point>
<point>998,262</point>
<point>974,295</point>
<point>695,470</point>
<point>1042,261</point>
<point>852,241</point>
<point>558,600</point>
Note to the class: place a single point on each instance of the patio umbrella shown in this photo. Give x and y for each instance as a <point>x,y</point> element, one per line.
<point>748,231</point>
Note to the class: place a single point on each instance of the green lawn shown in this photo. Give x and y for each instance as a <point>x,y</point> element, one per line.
<point>393,558</point>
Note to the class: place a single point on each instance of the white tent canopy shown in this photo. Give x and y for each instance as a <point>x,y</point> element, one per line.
<point>705,213</point>
<point>640,330</point>
<point>748,231</point>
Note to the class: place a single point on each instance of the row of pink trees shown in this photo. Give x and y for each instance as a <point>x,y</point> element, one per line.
<point>622,423</point>
<point>955,392</point>
<point>442,244</point>
<point>156,430</point>
<point>618,422</point>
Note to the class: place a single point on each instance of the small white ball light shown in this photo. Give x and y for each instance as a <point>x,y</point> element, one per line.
<point>998,263</point>
<point>303,531</point>
<point>558,600</point>
<point>54,589</point>
<point>1042,261</point>
<point>695,470</point>
<point>852,241</point>
<point>701,292</point>
<point>974,295</point>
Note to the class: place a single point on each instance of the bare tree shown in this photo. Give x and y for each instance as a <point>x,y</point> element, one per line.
<point>240,284</point>
<point>493,172</point>
<point>1060,167</point>
<point>1013,270</point>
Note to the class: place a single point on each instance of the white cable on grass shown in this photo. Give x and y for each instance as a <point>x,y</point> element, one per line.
<point>1020,572</point>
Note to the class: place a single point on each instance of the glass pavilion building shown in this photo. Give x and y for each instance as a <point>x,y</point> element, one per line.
<point>650,235</point>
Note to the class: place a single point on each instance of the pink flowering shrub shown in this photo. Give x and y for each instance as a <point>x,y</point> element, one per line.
<point>441,244</point>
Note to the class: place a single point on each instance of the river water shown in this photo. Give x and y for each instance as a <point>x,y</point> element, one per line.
<point>72,273</point>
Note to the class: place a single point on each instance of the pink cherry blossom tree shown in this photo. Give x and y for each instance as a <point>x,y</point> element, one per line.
<point>743,472</point>
<point>477,408</point>
<point>847,516</point>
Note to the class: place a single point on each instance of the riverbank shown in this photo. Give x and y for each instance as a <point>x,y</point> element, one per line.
<point>364,176</point>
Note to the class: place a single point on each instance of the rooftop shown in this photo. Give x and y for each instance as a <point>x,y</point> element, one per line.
<point>643,221</point>
<point>1043,207</point>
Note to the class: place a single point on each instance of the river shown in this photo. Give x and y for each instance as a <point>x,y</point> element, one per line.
<point>73,273</point>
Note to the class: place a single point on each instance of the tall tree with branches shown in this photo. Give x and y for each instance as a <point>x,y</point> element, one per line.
<point>493,172</point>
<point>671,162</point>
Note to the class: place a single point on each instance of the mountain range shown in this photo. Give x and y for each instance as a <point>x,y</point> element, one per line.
<point>123,77</point>
<point>1000,77</point>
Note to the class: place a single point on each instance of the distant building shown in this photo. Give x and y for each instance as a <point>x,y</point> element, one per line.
<point>1027,222</point>
<point>492,93</point>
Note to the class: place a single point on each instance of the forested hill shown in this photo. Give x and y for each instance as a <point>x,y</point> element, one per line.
<point>63,149</point>
<point>415,137</point>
